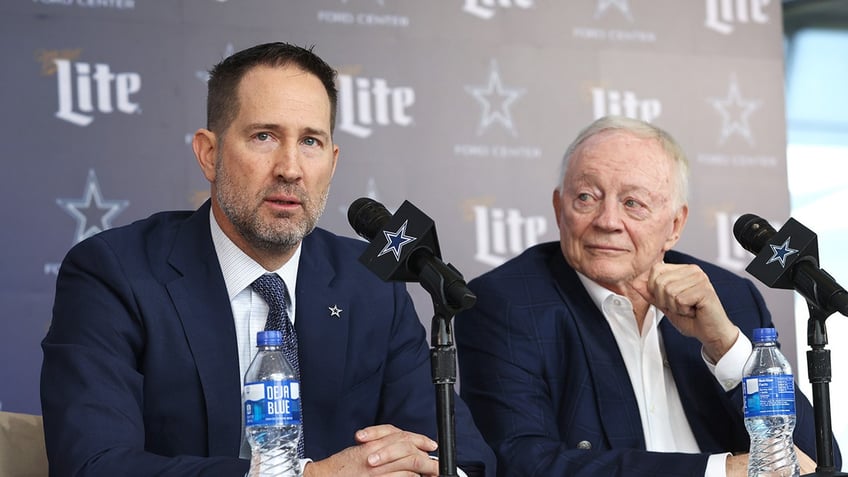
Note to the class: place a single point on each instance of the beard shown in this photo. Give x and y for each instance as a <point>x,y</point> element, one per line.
<point>280,233</point>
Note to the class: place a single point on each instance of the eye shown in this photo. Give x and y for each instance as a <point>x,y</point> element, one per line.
<point>310,141</point>
<point>632,203</point>
<point>263,136</point>
<point>583,197</point>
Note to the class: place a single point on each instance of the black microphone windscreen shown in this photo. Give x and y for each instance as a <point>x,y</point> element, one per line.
<point>753,232</point>
<point>367,217</point>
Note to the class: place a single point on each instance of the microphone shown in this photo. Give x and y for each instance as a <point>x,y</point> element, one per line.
<point>404,247</point>
<point>789,259</point>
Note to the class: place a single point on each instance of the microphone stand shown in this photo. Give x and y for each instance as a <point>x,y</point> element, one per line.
<point>819,370</point>
<point>450,296</point>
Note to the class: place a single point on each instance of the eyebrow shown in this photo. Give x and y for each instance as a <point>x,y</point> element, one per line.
<point>277,127</point>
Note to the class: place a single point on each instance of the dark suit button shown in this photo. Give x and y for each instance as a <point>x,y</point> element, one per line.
<point>584,445</point>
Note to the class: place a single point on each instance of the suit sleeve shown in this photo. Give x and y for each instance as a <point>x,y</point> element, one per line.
<point>408,396</point>
<point>503,362</point>
<point>91,384</point>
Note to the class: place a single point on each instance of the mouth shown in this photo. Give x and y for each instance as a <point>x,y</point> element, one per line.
<point>283,202</point>
<point>605,249</point>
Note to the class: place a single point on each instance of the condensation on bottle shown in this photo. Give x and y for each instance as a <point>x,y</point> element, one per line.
<point>271,397</point>
<point>769,407</point>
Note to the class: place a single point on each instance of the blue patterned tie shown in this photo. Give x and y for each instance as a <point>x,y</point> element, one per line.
<point>273,290</point>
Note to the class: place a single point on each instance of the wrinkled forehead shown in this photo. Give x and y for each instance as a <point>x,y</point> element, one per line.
<point>623,160</point>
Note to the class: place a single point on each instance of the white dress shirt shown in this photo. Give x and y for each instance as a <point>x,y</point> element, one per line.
<point>664,421</point>
<point>249,309</point>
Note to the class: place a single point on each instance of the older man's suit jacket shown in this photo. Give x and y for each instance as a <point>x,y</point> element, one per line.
<point>141,375</point>
<point>547,385</point>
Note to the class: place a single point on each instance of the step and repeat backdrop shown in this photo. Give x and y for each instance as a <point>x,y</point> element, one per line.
<point>463,107</point>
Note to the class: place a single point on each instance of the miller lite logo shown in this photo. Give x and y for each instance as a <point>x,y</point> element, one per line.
<point>85,88</point>
<point>723,14</point>
<point>624,103</point>
<point>368,102</point>
<point>504,233</point>
<point>485,9</point>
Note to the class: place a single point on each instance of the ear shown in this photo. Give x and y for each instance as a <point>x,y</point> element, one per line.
<point>335,158</point>
<point>205,146</point>
<point>677,227</point>
<point>556,198</point>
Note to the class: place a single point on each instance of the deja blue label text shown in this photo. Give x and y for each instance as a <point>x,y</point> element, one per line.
<point>272,403</point>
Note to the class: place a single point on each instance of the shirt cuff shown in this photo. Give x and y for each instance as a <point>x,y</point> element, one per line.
<point>303,463</point>
<point>717,464</point>
<point>728,370</point>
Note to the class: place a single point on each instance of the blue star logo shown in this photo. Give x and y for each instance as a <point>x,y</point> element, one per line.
<point>781,252</point>
<point>92,212</point>
<point>395,241</point>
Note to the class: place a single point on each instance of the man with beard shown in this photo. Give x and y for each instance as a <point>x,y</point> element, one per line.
<point>154,324</point>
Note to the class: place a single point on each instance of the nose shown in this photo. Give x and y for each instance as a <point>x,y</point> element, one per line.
<point>608,216</point>
<point>287,163</point>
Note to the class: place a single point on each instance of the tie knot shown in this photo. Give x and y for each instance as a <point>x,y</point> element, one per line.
<point>273,290</point>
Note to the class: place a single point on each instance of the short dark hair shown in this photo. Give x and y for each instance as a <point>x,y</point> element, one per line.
<point>222,101</point>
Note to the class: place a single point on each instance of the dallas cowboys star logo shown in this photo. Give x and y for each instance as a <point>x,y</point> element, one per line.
<point>395,241</point>
<point>734,112</point>
<point>92,218</point>
<point>335,311</point>
<point>781,252</point>
<point>622,5</point>
<point>495,92</point>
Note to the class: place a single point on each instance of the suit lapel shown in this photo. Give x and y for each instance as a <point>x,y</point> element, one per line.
<point>616,402</point>
<point>200,297</point>
<point>322,333</point>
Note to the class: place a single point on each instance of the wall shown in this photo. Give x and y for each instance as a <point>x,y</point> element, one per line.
<point>463,107</point>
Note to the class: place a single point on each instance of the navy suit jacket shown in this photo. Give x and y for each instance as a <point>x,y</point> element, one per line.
<point>140,373</point>
<point>541,372</point>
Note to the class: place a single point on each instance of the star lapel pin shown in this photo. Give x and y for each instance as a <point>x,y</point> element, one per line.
<point>335,311</point>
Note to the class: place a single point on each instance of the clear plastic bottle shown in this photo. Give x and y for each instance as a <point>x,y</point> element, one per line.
<point>271,397</point>
<point>769,405</point>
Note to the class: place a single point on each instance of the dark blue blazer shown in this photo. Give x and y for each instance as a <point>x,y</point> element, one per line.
<point>541,372</point>
<point>140,373</point>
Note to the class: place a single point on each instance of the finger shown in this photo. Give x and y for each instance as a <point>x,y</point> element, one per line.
<point>641,286</point>
<point>378,437</point>
<point>401,460</point>
<point>678,288</point>
<point>805,462</point>
<point>373,433</point>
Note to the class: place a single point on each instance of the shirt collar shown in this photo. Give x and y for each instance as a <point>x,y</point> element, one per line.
<point>240,270</point>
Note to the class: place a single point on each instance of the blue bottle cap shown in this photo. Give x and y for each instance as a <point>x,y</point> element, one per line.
<point>269,338</point>
<point>763,335</point>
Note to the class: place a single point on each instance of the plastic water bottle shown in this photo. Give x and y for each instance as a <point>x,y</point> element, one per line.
<point>769,405</point>
<point>271,398</point>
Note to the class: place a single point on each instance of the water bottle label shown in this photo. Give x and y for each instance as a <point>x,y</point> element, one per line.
<point>768,395</point>
<point>270,403</point>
